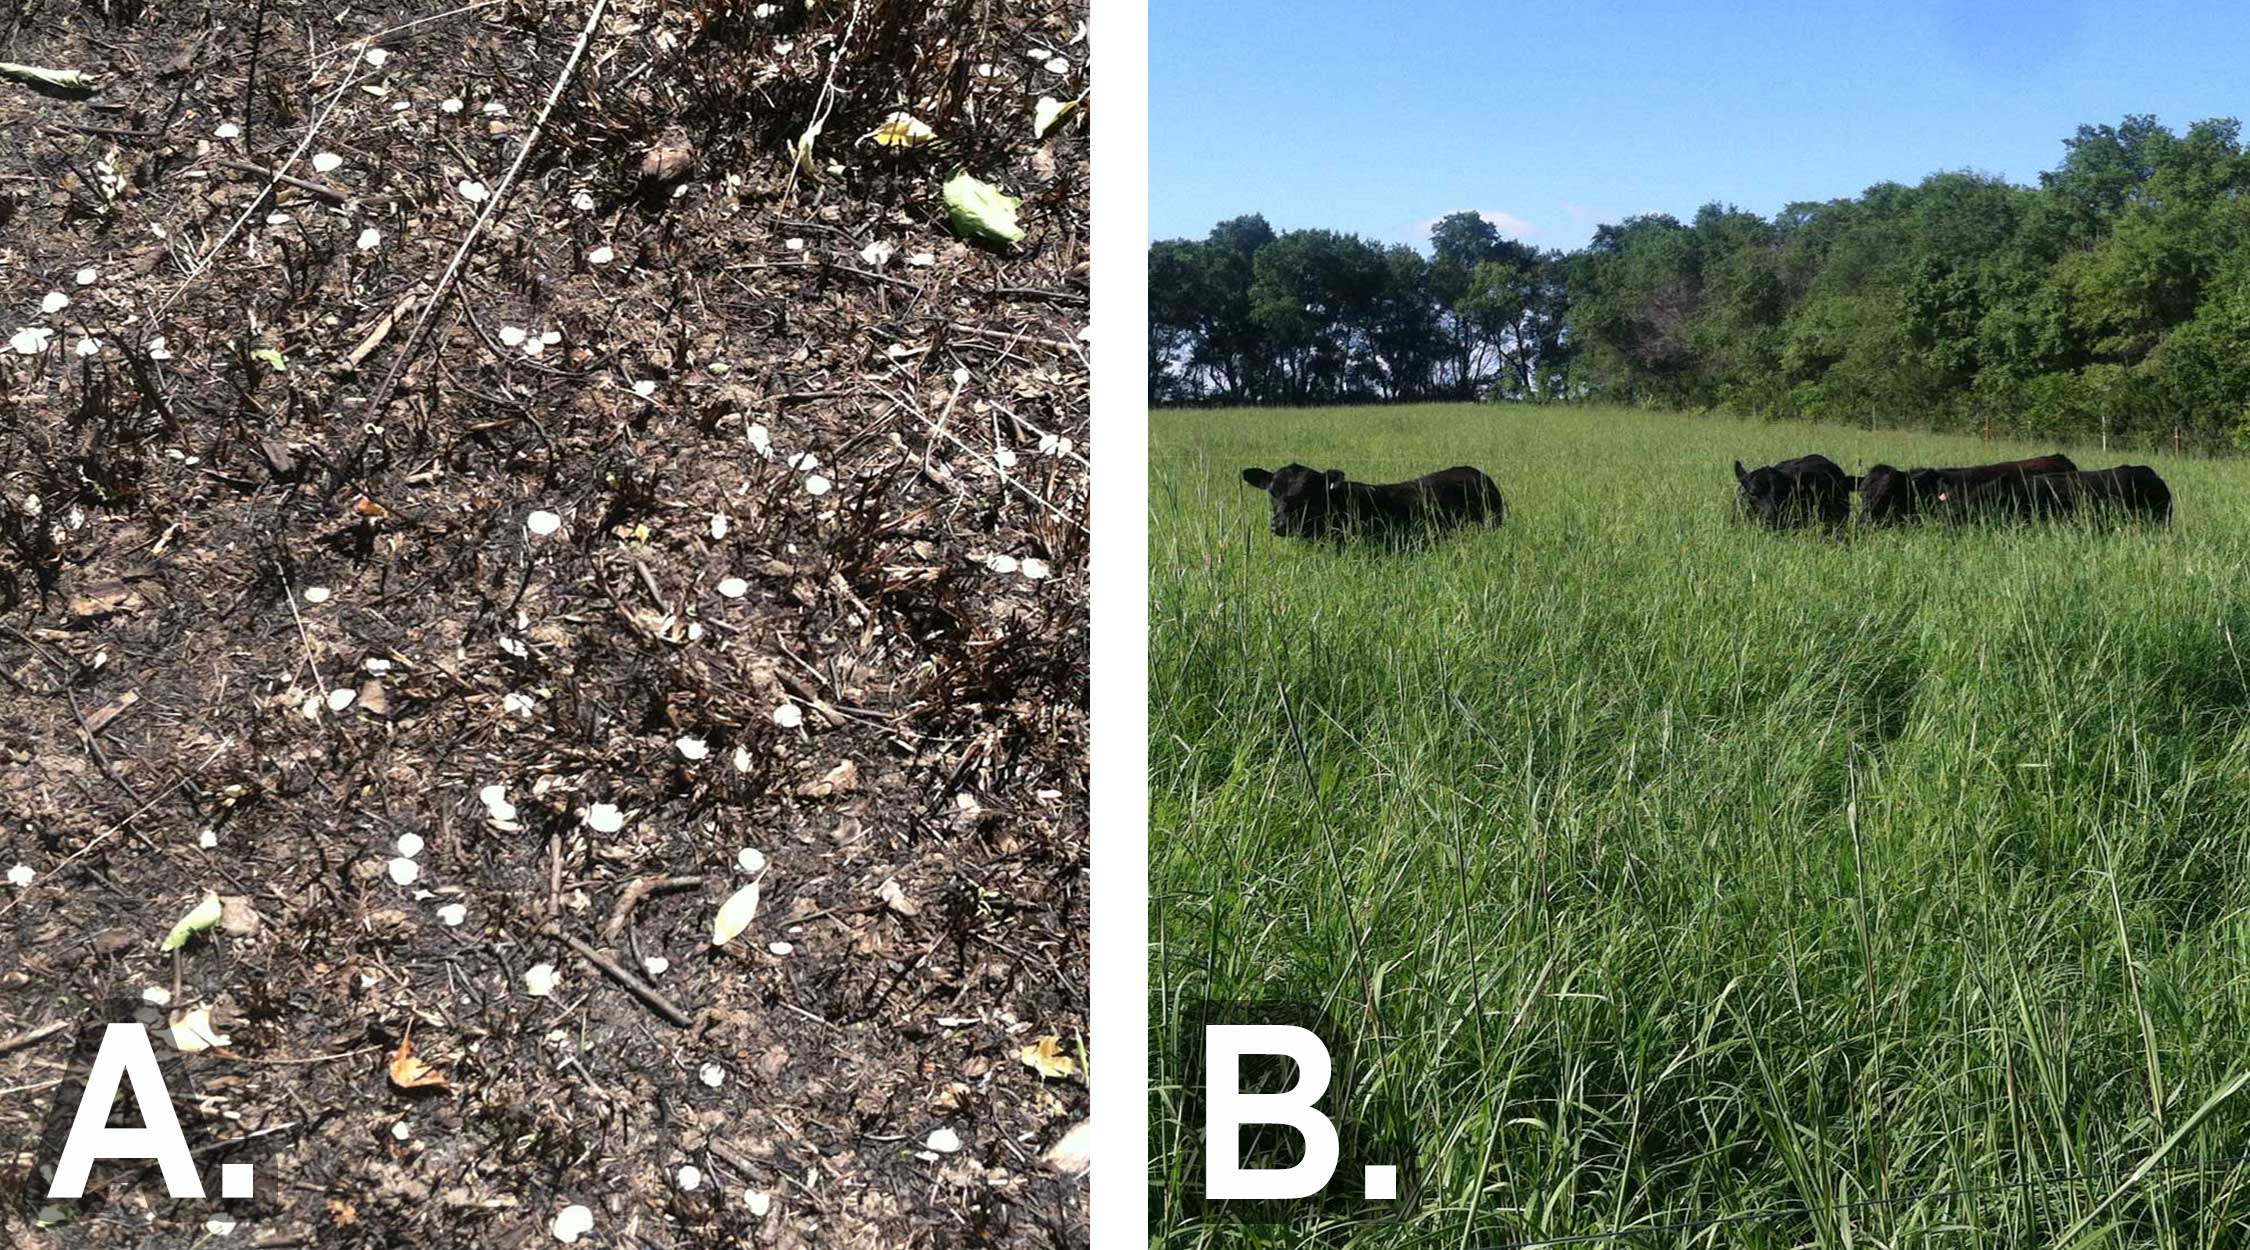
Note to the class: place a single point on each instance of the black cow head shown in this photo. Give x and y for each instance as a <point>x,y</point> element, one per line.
<point>1767,493</point>
<point>1887,494</point>
<point>1303,499</point>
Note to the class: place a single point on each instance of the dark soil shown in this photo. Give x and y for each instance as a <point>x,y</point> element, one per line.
<point>298,472</point>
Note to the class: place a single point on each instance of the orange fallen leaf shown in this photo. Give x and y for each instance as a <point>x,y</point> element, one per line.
<point>408,1072</point>
<point>1046,1057</point>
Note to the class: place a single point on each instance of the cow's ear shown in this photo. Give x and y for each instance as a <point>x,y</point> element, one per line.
<point>1335,478</point>
<point>1739,475</point>
<point>1258,478</point>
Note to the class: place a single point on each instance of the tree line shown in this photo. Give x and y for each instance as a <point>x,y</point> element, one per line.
<point>2110,301</point>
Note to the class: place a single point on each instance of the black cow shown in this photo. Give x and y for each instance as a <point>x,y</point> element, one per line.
<point>1311,504</point>
<point>1887,494</point>
<point>1797,492</point>
<point>2131,490</point>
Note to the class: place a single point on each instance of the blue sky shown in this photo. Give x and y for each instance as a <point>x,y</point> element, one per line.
<point>1553,117</point>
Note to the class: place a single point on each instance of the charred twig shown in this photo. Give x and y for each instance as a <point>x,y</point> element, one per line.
<point>23,1040</point>
<point>640,889</point>
<point>492,205</point>
<point>648,994</point>
<point>320,190</point>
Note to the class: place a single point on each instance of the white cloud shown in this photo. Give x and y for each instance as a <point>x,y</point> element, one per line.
<point>1507,223</point>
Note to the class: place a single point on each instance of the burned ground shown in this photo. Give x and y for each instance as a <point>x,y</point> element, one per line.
<point>738,495</point>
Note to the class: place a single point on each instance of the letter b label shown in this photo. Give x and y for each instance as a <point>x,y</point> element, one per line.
<point>1227,1109</point>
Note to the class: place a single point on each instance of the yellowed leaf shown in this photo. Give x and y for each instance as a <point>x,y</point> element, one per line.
<point>734,915</point>
<point>902,130</point>
<point>1046,1057</point>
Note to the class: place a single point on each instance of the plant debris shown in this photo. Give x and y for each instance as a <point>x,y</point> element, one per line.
<point>358,561</point>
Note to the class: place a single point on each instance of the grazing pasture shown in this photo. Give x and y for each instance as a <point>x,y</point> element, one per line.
<point>1884,888</point>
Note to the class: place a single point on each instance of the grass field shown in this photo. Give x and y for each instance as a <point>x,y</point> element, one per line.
<point>1695,871</point>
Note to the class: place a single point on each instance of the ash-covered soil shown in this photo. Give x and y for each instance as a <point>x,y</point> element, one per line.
<point>477,580</point>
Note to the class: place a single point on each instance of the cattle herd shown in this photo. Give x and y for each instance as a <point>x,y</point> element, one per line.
<point>1812,489</point>
<point>1808,490</point>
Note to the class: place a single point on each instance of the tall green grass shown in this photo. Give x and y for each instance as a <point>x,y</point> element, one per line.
<point>1696,870</point>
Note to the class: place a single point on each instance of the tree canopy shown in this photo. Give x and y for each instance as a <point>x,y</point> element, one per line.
<point>2112,299</point>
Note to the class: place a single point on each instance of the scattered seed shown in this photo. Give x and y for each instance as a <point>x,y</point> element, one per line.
<point>453,914</point>
<point>692,748</point>
<point>405,871</point>
<point>542,523</point>
<point>20,876</point>
<point>572,1223</point>
<point>751,859</point>
<point>945,1141</point>
<point>539,980</point>
<point>788,716</point>
<point>496,804</point>
<point>326,162</point>
<point>733,587</point>
<point>410,844</point>
<point>317,595</point>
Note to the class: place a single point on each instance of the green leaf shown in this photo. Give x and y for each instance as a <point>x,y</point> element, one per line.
<point>980,211</point>
<point>272,356</point>
<point>52,81</point>
<point>201,917</point>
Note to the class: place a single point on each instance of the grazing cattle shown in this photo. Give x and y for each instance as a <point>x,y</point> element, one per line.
<point>1887,494</point>
<point>1311,504</point>
<point>1797,492</point>
<point>2131,490</point>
